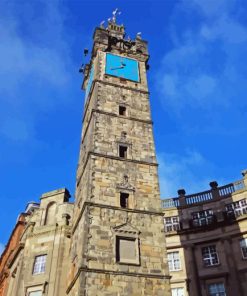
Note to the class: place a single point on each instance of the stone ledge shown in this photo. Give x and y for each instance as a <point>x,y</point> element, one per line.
<point>115,273</point>
<point>88,99</point>
<point>110,114</point>
<point>91,204</point>
<point>89,153</point>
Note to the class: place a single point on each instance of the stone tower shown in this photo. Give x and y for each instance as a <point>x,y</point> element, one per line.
<point>118,243</point>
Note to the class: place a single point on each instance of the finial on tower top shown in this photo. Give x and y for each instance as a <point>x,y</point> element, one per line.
<point>114,29</point>
<point>115,13</point>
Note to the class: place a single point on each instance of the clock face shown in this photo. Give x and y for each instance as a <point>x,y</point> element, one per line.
<point>90,81</point>
<point>122,67</point>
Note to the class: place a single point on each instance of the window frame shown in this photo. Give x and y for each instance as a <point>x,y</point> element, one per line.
<point>171,260</point>
<point>243,247</point>
<point>172,225</point>
<point>237,208</point>
<point>31,292</point>
<point>217,291</point>
<point>202,218</point>
<point>40,266</point>
<point>177,289</point>
<point>209,256</point>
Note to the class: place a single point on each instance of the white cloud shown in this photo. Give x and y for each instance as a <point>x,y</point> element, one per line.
<point>23,56</point>
<point>205,66</point>
<point>35,64</point>
<point>184,171</point>
<point>212,8</point>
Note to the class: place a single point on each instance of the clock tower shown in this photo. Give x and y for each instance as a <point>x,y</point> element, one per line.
<point>118,244</point>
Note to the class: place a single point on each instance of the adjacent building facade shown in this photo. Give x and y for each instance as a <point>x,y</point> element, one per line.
<point>117,238</point>
<point>11,251</point>
<point>39,264</point>
<point>206,237</point>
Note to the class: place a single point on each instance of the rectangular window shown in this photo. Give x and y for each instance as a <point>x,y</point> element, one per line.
<point>39,264</point>
<point>172,224</point>
<point>122,110</point>
<point>177,291</point>
<point>210,256</point>
<point>123,151</point>
<point>127,250</point>
<point>217,289</point>
<point>35,293</point>
<point>124,200</point>
<point>237,208</point>
<point>202,218</point>
<point>173,261</point>
<point>243,245</point>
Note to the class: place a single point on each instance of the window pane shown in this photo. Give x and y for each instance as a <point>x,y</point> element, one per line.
<point>243,242</point>
<point>39,264</point>
<point>35,293</point>
<point>177,292</point>
<point>210,256</point>
<point>174,261</point>
<point>217,289</point>
<point>243,245</point>
<point>172,224</point>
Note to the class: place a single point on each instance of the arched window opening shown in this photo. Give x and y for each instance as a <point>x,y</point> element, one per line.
<point>50,217</point>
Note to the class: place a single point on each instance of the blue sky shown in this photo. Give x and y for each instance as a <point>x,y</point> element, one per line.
<point>197,81</point>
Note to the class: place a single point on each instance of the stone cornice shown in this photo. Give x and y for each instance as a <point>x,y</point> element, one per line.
<point>110,84</point>
<point>91,204</point>
<point>112,157</point>
<point>112,115</point>
<point>116,273</point>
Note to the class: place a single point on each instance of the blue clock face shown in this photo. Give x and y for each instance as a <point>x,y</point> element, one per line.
<point>122,67</point>
<point>90,81</point>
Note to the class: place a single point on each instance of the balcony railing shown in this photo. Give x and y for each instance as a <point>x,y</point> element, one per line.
<point>215,193</point>
<point>199,197</point>
<point>171,203</point>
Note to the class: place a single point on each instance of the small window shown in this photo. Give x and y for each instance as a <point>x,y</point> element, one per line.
<point>123,151</point>
<point>174,261</point>
<point>243,245</point>
<point>172,224</point>
<point>35,293</point>
<point>177,291</point>
<point>210,256</point>
<point>237,208</point>
<point>39,264</point>
<point>127,250</point>
<point>202,218</point>
<point>217,289</point>
<point>124,200</point>
<point>122,110</point>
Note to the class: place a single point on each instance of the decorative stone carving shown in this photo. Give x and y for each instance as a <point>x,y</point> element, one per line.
<point>126,228</point>
<point>125,185</point>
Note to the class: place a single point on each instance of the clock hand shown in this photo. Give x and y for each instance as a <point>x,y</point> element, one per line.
<point>116,68</point>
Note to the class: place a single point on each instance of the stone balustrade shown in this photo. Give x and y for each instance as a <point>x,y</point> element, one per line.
<point>213,194</point>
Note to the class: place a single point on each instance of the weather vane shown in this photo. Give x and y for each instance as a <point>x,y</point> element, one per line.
<point>115,13</point>
<point>113,19</point>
